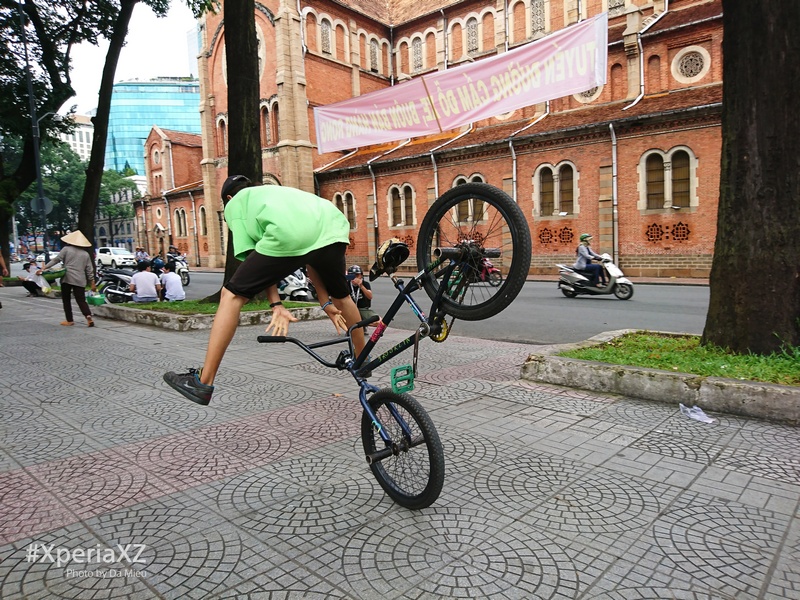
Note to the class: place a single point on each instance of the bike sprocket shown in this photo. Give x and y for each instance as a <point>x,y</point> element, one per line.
<point>443,332</point>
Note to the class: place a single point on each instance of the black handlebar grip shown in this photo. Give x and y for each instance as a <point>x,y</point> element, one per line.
<point>491,252</point>
<point>365,322</point>
<point>266,339</point>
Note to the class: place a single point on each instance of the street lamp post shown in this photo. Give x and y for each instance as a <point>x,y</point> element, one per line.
<point>40,201</point>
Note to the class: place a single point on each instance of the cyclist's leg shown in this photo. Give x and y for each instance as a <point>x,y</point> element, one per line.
<point>327,266</point>
<point>222,330</point>
<point>255,274</point>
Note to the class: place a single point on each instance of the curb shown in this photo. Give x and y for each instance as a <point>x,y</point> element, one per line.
<point>197,322</point>
<point>715,394</point>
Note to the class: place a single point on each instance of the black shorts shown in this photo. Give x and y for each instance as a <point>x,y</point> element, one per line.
<point>258,272</point>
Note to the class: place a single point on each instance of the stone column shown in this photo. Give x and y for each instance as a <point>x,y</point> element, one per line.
<point>295,151</point>
<point>211,200</point>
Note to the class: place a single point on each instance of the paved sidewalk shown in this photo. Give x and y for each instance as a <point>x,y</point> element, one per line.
<point>114,486</point>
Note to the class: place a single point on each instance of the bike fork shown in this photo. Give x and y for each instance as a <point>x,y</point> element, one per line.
<point>391,446</point>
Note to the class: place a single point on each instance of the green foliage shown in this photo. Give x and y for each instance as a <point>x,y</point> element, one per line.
<point>684,354</point>
<point>63,178</point>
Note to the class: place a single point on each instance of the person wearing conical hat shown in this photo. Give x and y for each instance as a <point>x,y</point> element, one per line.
<point>79,273</point>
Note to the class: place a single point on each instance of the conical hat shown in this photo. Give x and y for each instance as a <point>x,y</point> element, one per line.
<point>76,238</point>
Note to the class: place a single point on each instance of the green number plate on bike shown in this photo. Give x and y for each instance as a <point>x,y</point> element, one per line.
<point>402,379</point>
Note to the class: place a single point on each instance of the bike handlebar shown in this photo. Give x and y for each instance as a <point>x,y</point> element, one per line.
<point>458,253</point>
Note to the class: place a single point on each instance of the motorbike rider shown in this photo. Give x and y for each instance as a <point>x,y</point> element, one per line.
<point>584,262</point>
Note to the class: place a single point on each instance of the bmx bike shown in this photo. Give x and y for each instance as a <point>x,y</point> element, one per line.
<point>465,225</point>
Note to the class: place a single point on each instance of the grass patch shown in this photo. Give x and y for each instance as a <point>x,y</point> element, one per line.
<point>196,307</point>
<point>684,354</point>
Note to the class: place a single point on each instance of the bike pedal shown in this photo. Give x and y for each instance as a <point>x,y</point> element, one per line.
<point>402,379</point>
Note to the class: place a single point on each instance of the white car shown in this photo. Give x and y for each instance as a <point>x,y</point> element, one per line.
<point>108,256</point>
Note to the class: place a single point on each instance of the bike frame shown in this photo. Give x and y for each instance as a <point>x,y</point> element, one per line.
<point>356,366</point>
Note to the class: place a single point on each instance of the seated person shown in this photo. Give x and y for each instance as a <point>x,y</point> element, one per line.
<point>172,284</point>
<point>31,281</point>
<point>145,284</point>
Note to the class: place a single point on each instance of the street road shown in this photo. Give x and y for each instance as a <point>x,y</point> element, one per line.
<point>542,315</point>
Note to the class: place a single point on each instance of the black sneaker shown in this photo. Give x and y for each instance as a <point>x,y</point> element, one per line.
<point>189,385</point>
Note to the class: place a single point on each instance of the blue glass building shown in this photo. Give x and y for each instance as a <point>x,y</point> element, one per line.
<point>169,102</point>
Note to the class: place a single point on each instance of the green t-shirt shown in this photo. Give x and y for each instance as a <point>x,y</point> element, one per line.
<point>281,221</point>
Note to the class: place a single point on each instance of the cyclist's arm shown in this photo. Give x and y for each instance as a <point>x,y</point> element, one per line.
<point>325,301</point>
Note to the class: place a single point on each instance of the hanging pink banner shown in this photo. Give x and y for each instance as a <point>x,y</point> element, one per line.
<point>567,62</point>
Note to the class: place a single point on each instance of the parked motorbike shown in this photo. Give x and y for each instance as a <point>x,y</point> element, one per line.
<point>113,284</point>
<point>488,273</point>
<point>572,282</point>
<point>294,287</point>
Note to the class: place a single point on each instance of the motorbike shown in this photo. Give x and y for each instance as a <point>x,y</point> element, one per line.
<point>488,273</point>
<point>573,282</point>
<point>294,287</point>
<point>113,284</point>
<point>181,267</point>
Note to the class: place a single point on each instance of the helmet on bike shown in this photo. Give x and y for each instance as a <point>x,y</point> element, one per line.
<point>354,270</point>
<point>232,185</point>
<point>391,254</point>
<point>586,236</point>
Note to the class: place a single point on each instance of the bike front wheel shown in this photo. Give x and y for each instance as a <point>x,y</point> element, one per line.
<point>411,471</point>
<point>485,218</point>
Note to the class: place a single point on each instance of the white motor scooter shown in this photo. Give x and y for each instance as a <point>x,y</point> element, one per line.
<point>294,287</point>
<point>573,283</point>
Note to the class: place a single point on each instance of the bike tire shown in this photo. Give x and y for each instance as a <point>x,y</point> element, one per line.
<point>413,476</point>
<point>185,279</point>
<point>501,225</point>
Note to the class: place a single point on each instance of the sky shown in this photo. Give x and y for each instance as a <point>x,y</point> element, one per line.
<point>154,48</point>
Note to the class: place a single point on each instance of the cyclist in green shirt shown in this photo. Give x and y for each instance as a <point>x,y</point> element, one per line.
<point>275,230</point>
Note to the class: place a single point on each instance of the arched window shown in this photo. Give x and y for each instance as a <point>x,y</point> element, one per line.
<point>373,56</point>
<point>416,54</point>
<point>538,23</point>
<point>655,181</point>
<point>203,221</point>
<point>346,203</point>
<point>473,44</point>
<point>546,192</point>
<point>275,124</point>
<point>266,130</point>
<point>680,179</point>
<point>566,189</point>
<point>178,223</point>
<point>325,36</point>
<point>402,206</point>
<point>222,138</point>
<point>470,210</point>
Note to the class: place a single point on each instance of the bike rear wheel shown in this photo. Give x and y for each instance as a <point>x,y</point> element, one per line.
<point>487,219</point>
<point>413,472</point>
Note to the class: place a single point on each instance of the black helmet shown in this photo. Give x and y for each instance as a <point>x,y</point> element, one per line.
<point>391,254</point>
<point>232,185</point>
<point>354,270</point>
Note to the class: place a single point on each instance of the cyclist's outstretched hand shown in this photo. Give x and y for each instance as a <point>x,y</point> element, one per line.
<point>336,316</point>
<point>281,317</point>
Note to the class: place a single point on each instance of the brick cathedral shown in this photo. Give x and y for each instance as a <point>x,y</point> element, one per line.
<point>635,161</point>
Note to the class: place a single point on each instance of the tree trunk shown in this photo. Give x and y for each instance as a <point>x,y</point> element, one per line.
<point>755,275</point>
<point>244,131</point>
<point>94,171</point>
